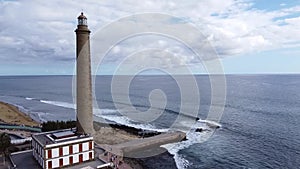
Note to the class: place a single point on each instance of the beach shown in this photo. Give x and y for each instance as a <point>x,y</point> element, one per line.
<point>12,115</point>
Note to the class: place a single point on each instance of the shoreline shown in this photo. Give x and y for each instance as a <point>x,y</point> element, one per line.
<point>109,134</point>
<point>10,114</point>
<point>163,160</point>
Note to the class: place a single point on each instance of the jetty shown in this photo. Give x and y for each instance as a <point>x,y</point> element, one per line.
<point>114,153</point>
<point>150,142</point>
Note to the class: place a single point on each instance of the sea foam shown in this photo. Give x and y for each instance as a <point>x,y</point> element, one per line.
<point>60,104</point>
<point>192,136</point>
<point>29,98</point>
<point>109,114</point>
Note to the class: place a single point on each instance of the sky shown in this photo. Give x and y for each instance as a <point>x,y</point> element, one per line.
<point>248,36</point>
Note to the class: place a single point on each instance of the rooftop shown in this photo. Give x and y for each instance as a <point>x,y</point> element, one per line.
<point>58,136</point>
<point>63,134</point>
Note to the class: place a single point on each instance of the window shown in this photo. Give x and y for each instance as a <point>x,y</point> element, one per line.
<point>49,164</point>
<point>80,147</point>
<point>60,151</point>
<point>90,145</point>
<point>61,162</point>
<point>91,155</point>
<point>70,149</point>
<point>71,160</point>
<point>49,153</point>
<point>80,158</point>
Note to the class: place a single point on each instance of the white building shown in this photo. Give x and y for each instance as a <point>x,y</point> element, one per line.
<point>62,148</point>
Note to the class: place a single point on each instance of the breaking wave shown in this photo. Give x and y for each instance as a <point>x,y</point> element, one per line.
<point>29,98</point>
<point>192,136</point>
<point>109,114</point>
<point>60,104</point>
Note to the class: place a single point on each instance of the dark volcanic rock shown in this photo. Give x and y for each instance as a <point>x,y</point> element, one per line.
<point>161,161</point>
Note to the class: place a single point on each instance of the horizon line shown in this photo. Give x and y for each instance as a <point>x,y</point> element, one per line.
<point>196,74</point>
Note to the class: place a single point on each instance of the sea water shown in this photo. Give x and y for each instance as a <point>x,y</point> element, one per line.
<point>260,126</point>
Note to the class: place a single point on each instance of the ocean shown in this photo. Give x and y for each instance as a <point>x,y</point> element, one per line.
<point>260,123</point>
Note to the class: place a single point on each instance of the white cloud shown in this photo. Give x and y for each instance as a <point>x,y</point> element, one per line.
<point>282,4</point>
<point>44,30</point>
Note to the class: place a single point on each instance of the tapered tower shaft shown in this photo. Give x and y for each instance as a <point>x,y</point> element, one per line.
<point>84,122</point>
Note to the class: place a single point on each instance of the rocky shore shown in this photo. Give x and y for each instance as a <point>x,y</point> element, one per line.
<point>111,133</point>
<point>163,160</point>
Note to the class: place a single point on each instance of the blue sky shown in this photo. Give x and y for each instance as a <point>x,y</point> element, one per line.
<point>250,36</point>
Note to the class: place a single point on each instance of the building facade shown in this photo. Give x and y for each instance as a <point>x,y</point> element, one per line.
<point>62,148</point>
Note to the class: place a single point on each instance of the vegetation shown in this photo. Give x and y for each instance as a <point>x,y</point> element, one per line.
<point>4,144</point>
<point>56,125</point>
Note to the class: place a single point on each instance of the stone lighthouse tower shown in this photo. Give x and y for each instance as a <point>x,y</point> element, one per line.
<point>84,122</point>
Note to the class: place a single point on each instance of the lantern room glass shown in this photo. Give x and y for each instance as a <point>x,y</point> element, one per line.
<point>82,21</point>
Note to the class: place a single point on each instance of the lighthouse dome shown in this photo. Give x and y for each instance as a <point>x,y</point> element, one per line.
<point>82,20</point>
<point>81,16</point>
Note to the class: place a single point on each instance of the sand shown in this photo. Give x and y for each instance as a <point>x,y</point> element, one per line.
<point>107,135</point>
<point>111,136</point>
<point>12,115</point>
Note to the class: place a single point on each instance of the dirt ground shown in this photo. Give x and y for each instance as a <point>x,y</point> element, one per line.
<point>12,115</point>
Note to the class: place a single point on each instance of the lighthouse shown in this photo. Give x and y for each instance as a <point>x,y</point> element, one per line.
<point>66,147</point>
<point>84,116</point>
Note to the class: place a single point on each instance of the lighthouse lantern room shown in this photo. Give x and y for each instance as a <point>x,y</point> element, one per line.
<point>82,20</point>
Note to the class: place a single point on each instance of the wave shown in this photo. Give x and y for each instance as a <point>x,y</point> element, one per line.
<point>21,108</point>
<point>40,116</point>
<point>37,116</point>
<point>210,123</point>
<point>126,121</point>
<point>109,114</point>
<point>157,108</point>
<point>60,104</point>
<point>29,98</point>
<point>192,137</point>
<point>179,113</point>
